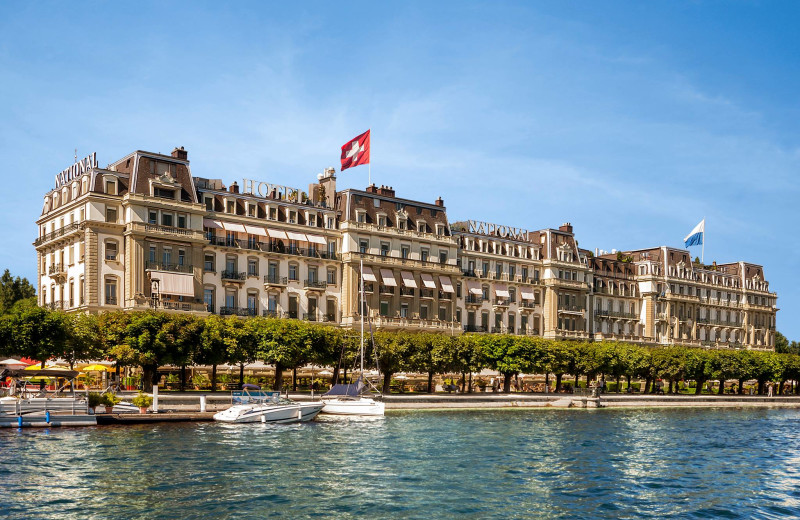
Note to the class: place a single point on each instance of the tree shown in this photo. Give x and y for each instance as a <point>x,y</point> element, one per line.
<point>212,348</point>
<point>13,290</point>
<point>241,343</point>
<point>392,350</point>
<point>508,355</point>
<point>432,354</point>
<point>781,343</point>
<point>146,343</point>
<point>84,342</point>
<point>283,343</point>
<point>468,356</point>
<point>38,333</point>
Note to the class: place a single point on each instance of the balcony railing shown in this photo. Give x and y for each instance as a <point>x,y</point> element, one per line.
<point>179,306</point>
<point>271,314</point>
<point>406,291</point>
<point>497,330</point>
<point>502,302</point>
<point>473,299</point>
<point>329,318</point>
<point>271,247</point>
<point>55,269</point>
<point>527,304</point>
<point>69,228</point>
<point>58,304</point>
<point>393,260</point>
<point>236,311</point>
<point>111,300</point>
<point>315,284</point>
<point>274,279</point>
<point>160,266</point>
<point>571,308</point>
<point>386,289</point>
<point>310,316</point>
<point>426,293</point>
<point>233,275</point>
<point>474,328</point>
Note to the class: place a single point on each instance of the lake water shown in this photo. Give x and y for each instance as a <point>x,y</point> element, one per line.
<point>698,463</point>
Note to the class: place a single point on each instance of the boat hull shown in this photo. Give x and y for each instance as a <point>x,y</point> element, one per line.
<point>269,413</point>
<point>362,406</point>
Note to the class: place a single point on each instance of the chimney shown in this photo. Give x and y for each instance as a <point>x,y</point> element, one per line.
<point>566,227</point>
<point>386,191</point>
<point>372,188</point>
<point>234,188</point>
<point>180,153</point>
<point>439,202</point>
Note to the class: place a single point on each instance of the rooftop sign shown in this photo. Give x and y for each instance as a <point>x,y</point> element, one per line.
<point>484,228</point>
<point>265,189</point>
<point>76,170</point>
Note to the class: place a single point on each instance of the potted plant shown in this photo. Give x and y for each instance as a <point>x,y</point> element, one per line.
<point>95,399</point>
<point>172,380</point>
<point>222,381</point>
<point>142,401</point>
<point>199,381</point>
<point>109,400</point>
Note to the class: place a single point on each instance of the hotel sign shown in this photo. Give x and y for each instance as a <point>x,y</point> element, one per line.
<point>484,228</point>
<point>265,189</point>
<point>76,170</point>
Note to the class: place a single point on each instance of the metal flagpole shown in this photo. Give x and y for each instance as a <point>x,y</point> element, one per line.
<point>703,251</point>
<point>361,312</point>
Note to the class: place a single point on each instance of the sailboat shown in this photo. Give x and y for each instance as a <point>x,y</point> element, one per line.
<point>349,399</point>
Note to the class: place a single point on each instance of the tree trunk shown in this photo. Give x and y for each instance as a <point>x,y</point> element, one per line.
<point>335,376</point>
<point>558,382</point>
<point>721,390</point>
<point>618,387</point>
<point>213,378</point>
<point>149,376</point>
<point>646,385</point>
<point>463,381</point>
<point>760,387</point>
<point>387,382</point>
<point>628,388</point>
<point>740,390</point>
<point>576,381</point>
<point>699,388</point>
<point>430,382</point>
<point>547,382</point>
<point>182,378</point>
<point>506,382</point>
<point>294,380</point>
<point>470,383</point>
<point>780,386</point>
<point>278,385</point>
<point>241,376</point>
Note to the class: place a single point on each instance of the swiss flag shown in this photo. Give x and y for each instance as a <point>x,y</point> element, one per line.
<point>356,152</point>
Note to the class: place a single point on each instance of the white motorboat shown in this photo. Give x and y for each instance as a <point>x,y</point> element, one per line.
<point>266,407</point>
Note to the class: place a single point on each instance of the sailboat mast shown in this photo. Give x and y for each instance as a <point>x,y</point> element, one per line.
<point>361,312</point>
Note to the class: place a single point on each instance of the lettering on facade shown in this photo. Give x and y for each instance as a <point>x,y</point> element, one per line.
<point>76,170</point>
<point>484,228</point>
<point>267,190</point>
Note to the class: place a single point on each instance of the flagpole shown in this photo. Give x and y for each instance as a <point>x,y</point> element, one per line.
<point>369,164</point>
<point>703,251</point>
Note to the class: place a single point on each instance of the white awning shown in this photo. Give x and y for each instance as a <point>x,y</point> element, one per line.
<point>427,281</point>
<point>232,226</point>
<point>255,230</point>
<point>177,284</point>
<point>316,239</point>
<point>408,279</point>
<point>369,276</point>
<point>447,285</point>
<point>526,293</point>
<point>388,277</point>
<point>213,224</point>
<point>501,291</point>
<point>277,233</point>
<point>297,236</point>
<point>475,288</point>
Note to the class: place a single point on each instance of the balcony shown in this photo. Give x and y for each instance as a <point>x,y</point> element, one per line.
<point>236,311</point>
<point>444,295</point>
<point>111,300</point>
<point>270,247</point>
<point>56,305</point>
<point>315,285</point>
<point>310,316</point>
<point>386,289</point>
<point>58,233</point>
<point>397,231</point>
<point>497,330</point>
<point>470,273</point>
<point>527,304</point>
<point>426,293</point>
<point>502,302</point>
<point>164,231</point>
<point>571,309</point>
<point>474,328</point>
<point>235,276</point>
<point>407,291</point>
<point>179,306</point>
<point>329,318</point>
<point>271,314</point>
<point>274,279</point>
<point>175,268</point>
<point>433,265</point>
<point>473,299</point>
<point>600,313</point>
<point>57,270</point>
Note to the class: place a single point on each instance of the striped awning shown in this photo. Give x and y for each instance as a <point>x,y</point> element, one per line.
<point>427,281</point>
<point>213,224</point>
<point>526,293</point>
<point>408,279</point>
<point>277,233</point>
<point>501,291</point>
<point>388,278</point>
<point>300,237</point>
<point>234,227</point>
<point>316,239</point>
<point>474,288</point>
<point>447,285</point>
<point>255,230</point>
<point>369,276</point>
<point>177,284</point>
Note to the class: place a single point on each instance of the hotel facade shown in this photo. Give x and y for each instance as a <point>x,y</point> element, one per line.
<point>143,233</point>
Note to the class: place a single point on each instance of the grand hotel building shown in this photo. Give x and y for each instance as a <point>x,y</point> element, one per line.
<point>143,233</point>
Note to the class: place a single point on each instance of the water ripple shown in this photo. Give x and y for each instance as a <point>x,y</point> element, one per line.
<point>696,463</point>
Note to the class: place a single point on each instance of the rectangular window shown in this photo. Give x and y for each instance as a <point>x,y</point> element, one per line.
<point>405,251</point>
<point>111,250</point>
<point>167,256</point>
<point>423,255</point>
<point>111,214</point>
<point>71,255</point>
<point>209,203</point>
<point>272,271</point>
<point>208,263</point>
<point>331,277</point>
<point>363,246</point>
<point>384,308</point>
<point>252,267</point>
<point>230,206</point>
<point>111,291</point>
<point>293,306</point>
<point>384,249</point>
<point>423,312</point>
<point>312,275</point>
<point>443,313</point>
<point>252,303</point>
<point>166,219</point>
<point>272,303</point>
<point>330,223</point>
<point>208,299</point>
<point>182,221</point>
<point>230,299</point>
<point>404,310</point>
<point>80,290</point>
<point>251,210</point>
<point>152,254</point>
<point>292,217</point>
<point>293,272</point>
<point>442,257</point>
<point>162,193</point>
<point>111,188</point>
<point>152,217</point>
<point>273,213</point>
<point>181,257</point>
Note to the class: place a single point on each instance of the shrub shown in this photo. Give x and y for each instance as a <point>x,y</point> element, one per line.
<point>142,400</point>
<point>95,399</point>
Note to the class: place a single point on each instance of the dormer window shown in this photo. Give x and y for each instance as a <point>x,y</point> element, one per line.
<point>209,201</point>
<point>361,216</point>
<point>330,223</point>
<point>230,206</point>
<point>111,187</point>
<point>440,229</point>
<point>402,224</point>
<point>421,226</point>
<point>292,217</point>
<point>163,193</point>
<point>273,213</point>
<point>74,190</point>
<point>382,220</point>
<point>251,209</point>
<point>311,220</point>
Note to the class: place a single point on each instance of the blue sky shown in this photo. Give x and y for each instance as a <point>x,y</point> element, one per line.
<point>632,120</point>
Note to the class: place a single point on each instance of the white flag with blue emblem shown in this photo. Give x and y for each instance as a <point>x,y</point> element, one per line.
<point>695,237</point>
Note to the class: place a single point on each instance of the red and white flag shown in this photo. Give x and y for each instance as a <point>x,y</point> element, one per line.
<point>356,151</point>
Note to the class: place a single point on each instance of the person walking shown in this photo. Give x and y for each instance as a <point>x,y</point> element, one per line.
<point>770,386</point>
